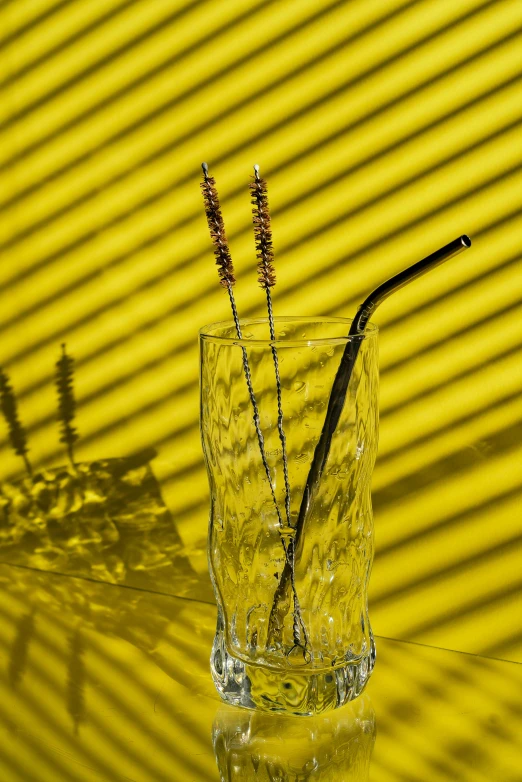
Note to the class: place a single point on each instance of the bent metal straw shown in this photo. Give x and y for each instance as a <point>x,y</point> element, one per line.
<point>342,379</point>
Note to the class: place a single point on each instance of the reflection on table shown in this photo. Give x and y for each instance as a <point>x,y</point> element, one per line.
<point>104,682</point>
<point>252,746</point>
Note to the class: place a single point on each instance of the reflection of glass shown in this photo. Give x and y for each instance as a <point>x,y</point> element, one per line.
<point>265,748</point>
<point>303,645</point>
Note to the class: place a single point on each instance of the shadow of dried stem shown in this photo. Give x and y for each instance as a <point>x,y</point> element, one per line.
<point>66,402</point>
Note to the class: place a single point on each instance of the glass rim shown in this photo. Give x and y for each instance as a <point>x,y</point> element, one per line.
<point>205,334</point>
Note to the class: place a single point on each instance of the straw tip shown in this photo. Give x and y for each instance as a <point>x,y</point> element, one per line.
<point>466,241</point>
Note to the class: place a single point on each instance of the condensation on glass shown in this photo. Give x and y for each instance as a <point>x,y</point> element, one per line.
<point>303,645</point>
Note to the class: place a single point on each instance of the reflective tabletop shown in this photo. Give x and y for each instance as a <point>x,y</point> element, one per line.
<point>107,682</point>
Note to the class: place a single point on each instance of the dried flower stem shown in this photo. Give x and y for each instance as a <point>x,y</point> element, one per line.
<point>267,280</point>
<point>257,420</point>
<point>17,433</point>
<point>226,275</point>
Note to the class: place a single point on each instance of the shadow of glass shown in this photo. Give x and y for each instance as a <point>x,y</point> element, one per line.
<point>250,745</point>
<point>104,520</point>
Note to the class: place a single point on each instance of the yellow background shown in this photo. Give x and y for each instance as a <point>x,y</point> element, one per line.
<point>385,128</point>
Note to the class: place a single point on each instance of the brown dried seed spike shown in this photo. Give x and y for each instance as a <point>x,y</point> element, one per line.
<point>262,232</point>
<point>217,231</point>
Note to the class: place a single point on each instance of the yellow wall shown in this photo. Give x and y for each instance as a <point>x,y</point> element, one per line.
<point>385,128</point>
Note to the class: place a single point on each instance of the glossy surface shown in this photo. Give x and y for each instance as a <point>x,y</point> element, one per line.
<point>110,683</point>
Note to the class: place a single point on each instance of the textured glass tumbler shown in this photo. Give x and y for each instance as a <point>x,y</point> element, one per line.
<point>293,633</point>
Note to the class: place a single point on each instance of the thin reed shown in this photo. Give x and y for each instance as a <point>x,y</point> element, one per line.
<point>267,280</point>
<point>227,279</point>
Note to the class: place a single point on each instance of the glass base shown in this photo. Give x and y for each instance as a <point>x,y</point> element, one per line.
<point>287,691</point>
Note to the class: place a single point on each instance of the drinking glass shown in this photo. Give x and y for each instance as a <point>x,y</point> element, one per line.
<point>293,632</point>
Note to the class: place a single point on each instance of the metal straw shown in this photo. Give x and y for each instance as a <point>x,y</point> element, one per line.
<point>340,387</point>
<point>344,372</point>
